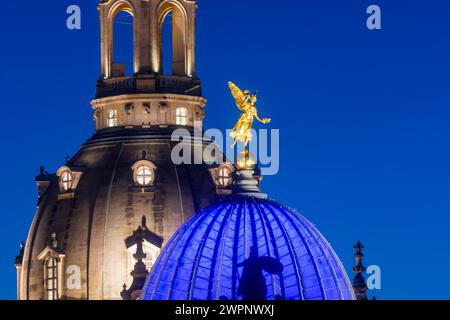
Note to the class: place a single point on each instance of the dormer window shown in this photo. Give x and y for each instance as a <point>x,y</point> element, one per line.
<point>144,173</point>
<point>151,254</point>
<point>51,266</point>
<point>112,119</point>
<point>182,116</point>
<point>69,177</point>
<point>53,260</point>
<point>66,181</point>
<point>143,249</point>
<point>224,177</point>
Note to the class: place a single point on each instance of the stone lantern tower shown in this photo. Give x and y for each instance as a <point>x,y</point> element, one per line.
<point>149,97</point>
<point>94,202</point>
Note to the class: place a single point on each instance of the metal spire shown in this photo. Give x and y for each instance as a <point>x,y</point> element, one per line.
<point>359,283</point>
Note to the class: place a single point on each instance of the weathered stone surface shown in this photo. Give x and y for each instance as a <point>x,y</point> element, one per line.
<point>91,226</point>
<point>133,114</point>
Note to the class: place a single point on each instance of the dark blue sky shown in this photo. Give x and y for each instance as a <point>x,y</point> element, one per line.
<point>364,118</point>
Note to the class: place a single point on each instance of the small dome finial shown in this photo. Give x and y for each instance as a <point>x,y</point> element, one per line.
<point>358,246</point>
<point>247,183</point>
<point>359,283</point>
<point>54,241</point>
<point>19,258</point>
<point>246,161</point>
<point>144,155</point>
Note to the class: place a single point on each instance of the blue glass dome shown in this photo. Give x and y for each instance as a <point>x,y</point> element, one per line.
<point>247,248</point>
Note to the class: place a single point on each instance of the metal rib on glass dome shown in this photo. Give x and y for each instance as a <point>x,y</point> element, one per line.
<point>247,248</point>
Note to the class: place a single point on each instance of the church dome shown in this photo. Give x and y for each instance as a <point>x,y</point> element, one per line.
<point>96,201</point>
<point>248,248</point>
<point>82,241</point>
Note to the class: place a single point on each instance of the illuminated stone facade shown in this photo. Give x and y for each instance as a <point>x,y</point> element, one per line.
<point>76,248</point>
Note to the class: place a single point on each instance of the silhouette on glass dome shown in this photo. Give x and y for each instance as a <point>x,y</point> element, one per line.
<point>252,285</point>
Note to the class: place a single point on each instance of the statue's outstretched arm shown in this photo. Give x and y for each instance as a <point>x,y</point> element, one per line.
<point>265,120</point>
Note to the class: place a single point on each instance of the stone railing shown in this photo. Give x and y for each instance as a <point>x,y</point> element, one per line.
<point>148,84</point>
<point>116,86</point>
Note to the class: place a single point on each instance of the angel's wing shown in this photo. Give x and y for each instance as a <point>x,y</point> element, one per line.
<point>237,94</point>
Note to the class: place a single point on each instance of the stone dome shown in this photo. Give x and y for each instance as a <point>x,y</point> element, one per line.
<point>104,206</point>
<point>248,248</point>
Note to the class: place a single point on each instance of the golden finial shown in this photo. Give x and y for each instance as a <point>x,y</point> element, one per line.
<point>245,160</point>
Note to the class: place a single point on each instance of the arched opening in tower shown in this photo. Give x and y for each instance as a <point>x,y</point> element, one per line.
<point>123,48</point>
<point>172,40</point>
<point>167,44</point>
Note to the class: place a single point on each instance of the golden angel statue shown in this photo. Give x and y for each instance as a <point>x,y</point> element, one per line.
<point>245,102</point>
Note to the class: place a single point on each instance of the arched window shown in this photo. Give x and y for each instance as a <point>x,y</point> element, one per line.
<point>123,43</point>
<point>66,180</point>
<point>51,271</point>
<point>144,173</point>
<point>167,45</point>
<point>52,258</point>
<point>224,177</point>
<point>182,116</point>
<point>112,118</point>
<point>172,39</point>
